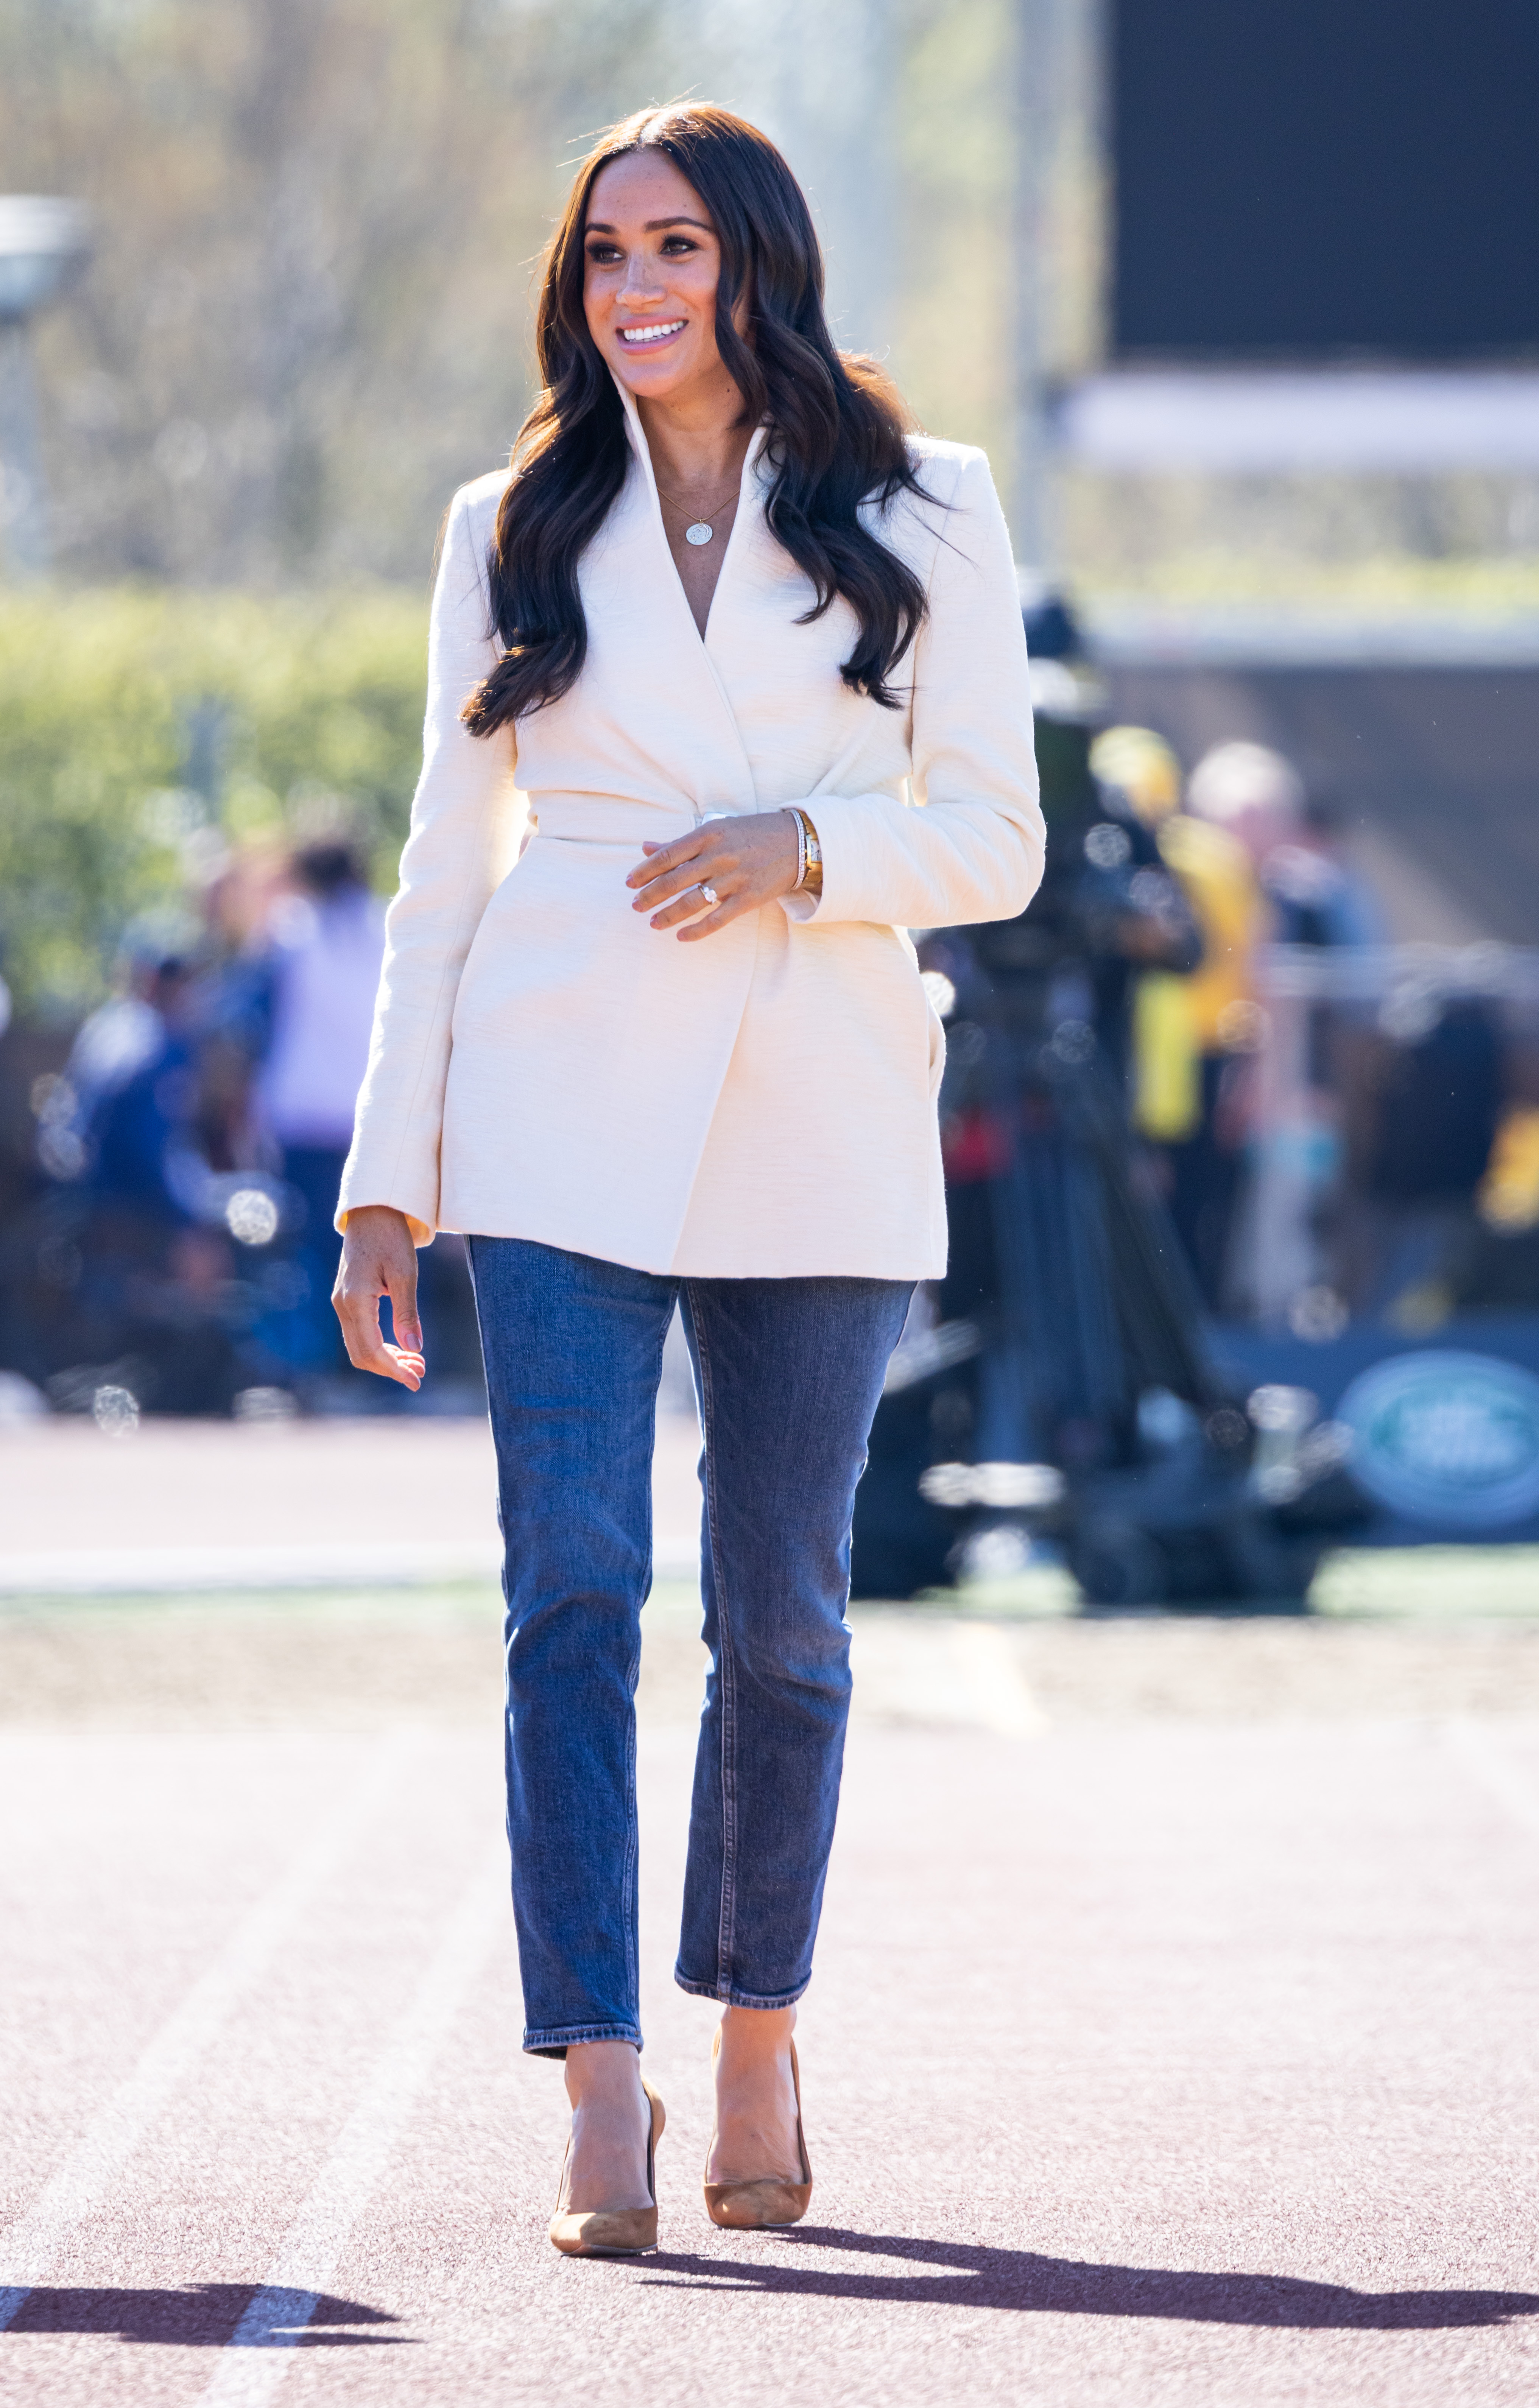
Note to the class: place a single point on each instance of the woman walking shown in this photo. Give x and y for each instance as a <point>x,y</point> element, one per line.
<point>650,1031</point>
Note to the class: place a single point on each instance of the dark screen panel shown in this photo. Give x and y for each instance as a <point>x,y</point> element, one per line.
<point>1308,177</point>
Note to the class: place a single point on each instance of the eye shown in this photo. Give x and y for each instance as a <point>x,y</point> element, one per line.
<point>603,254</point>
<point>677,242</point>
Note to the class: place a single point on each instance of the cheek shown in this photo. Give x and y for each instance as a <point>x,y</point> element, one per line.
<point>703,299</point>
<point>696,282</point>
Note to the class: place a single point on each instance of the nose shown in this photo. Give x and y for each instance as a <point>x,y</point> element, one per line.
<point>642,282</point>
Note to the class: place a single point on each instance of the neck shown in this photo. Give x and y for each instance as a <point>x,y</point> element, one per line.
<point>697,441</point>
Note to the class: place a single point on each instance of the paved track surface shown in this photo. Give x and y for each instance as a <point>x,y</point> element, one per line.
<point>179,1505</point>
<point>1172,2040</point>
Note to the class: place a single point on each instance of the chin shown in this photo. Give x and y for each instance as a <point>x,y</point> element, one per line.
<point>651,389</point>
<point>654,382</point>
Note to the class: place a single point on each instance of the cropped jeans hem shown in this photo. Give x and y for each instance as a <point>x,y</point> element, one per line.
<point>730,1996</point>
<point>556,2043</point>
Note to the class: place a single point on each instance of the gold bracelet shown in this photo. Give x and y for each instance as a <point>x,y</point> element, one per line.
<point>812,883</point>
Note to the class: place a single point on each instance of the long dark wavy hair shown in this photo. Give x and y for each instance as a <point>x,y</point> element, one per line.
<point>837,425</point>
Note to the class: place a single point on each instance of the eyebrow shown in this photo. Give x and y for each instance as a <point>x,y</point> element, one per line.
<point>653,225</point>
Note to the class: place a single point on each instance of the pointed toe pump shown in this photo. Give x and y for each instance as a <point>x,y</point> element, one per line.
<point>744,2206</point>
<point>612,2231</point>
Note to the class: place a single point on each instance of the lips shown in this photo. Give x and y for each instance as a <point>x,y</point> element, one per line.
<point>640,338</point>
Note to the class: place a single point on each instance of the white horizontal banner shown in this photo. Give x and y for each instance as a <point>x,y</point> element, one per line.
<point>1253,420</point>
<point>1237,635</point>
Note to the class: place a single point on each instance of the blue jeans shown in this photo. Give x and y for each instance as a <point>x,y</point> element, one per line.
<point>787,1372</point>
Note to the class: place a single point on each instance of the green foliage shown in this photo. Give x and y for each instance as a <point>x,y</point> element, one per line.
<point>141,729</point>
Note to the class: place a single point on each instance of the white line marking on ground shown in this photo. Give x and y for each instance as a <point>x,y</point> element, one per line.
<point>1481,1756</point>
<point>98,1572</point>
<point>1004,1702</point>
<point>939,1672</point>
<point>32,2243</point>
<point>260,2350</point>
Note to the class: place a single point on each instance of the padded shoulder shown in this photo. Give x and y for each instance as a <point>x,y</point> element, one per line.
<point>924,449</point>
<point>485,493</point>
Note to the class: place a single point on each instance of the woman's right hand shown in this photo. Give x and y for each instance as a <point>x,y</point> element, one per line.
<point>380,1259</point>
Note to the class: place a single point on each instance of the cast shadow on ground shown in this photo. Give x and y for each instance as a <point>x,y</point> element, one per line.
<point>200,2316</point>
<point>954,2275</point>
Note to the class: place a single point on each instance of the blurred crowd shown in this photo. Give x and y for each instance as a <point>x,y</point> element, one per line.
<point>1339,1128</point>
<point>174,1248</point>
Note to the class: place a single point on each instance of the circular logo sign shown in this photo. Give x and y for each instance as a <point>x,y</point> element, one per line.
<point>1448,1437</point>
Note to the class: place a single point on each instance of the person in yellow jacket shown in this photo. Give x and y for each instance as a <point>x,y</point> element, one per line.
<point>1191,1031</point>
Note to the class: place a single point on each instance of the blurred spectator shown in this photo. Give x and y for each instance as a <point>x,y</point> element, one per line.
<point>327,945</point>
<point>1509,1192</point>
<point>134,1080</point>
<point>1193,1035</point>
<point>237,902</point>
<point>1497,1269</point>
<point>1439,1105</point>
<point>1297,1104</point>
<point>1317,897</point>
<point>1252,793</point>
<point>1426,1105</point>
<point>133,1288</point>
<point>1291,834</point>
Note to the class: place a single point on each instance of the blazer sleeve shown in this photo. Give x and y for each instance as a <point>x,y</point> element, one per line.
<point>466,817</point>
<point>974,846</point>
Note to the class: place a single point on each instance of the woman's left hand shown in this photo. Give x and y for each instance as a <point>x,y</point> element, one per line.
<point>748,860</point>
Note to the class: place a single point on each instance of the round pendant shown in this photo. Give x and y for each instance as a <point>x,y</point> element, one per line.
<point>698,533</point>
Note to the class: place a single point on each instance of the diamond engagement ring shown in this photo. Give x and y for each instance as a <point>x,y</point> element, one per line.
<point>709,893</point>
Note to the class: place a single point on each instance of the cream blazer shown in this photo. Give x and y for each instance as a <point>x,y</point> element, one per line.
<point>761,1104</point>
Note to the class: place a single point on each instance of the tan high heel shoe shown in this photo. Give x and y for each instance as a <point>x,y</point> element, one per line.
<point>770,2199</point>
<point>612,2231</point>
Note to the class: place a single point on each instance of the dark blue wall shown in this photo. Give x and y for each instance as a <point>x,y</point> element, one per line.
<point>1300,178</point>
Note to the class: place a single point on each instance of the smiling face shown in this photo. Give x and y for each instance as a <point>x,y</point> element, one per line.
<point>649,286</point>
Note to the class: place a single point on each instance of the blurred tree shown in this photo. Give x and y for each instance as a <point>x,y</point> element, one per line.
<point>952,345</point>
<point>317,222</point>
<point>315,225</point>
<point>146,731</point>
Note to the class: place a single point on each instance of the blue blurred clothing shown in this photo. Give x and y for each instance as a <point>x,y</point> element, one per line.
<point>307,1336</point>
<point>136,1085</point>
<point>1317,900</point>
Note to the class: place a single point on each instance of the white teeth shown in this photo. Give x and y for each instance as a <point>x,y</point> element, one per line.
<point>650,334</point>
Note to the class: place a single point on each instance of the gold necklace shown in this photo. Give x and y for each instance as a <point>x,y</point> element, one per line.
<point>700,529</point>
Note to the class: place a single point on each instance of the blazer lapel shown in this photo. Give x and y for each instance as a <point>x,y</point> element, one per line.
<point>645,534</point>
